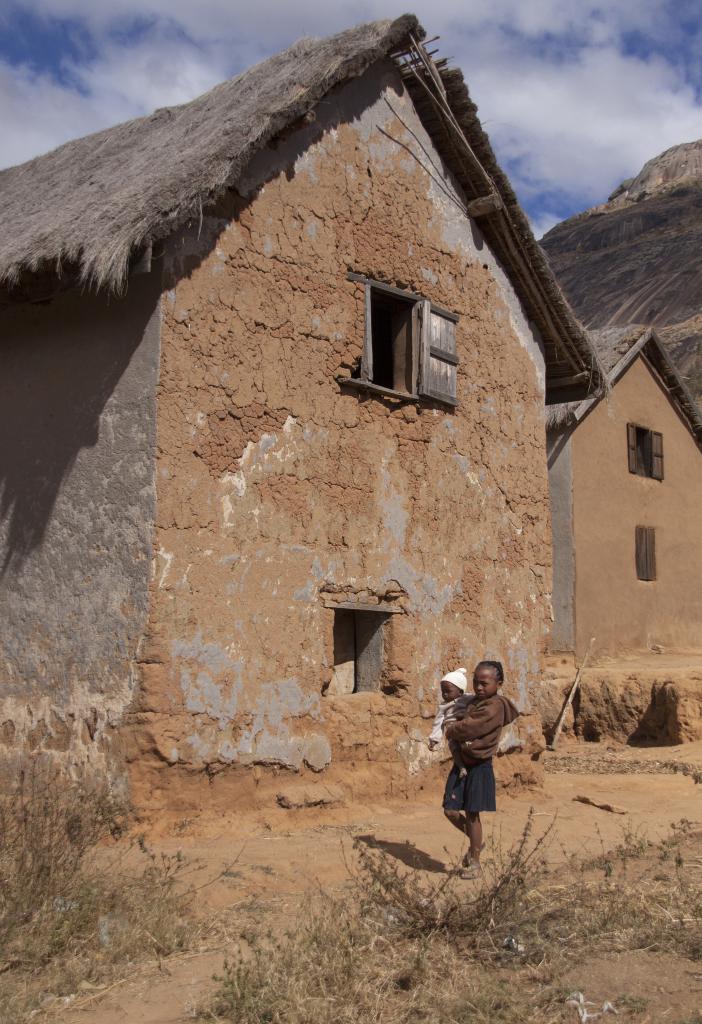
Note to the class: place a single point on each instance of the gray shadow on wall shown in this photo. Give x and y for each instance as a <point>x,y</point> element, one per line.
<point>60,362</point>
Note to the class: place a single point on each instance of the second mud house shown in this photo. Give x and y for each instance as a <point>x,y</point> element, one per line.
<point>274,366</point>
<point>626,493</point>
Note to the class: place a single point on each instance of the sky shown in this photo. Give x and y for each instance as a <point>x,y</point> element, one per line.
<point>575,95</point>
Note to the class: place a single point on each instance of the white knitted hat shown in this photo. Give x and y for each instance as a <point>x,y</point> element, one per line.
<point>459,678</point>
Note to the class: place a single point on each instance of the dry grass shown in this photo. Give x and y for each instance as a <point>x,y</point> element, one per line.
<point>76,909</point>
<point>401,949</point>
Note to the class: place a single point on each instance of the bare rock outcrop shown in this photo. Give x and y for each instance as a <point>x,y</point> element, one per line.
<point>635,258</point>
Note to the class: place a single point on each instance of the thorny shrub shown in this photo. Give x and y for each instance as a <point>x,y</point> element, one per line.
<point>415,906</point>
<point>72,910</point>
<point>400,949</point>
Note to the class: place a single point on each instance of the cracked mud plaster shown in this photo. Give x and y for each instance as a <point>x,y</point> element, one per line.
<point>275,484</point>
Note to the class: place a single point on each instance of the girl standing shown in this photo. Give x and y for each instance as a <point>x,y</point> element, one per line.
<point>478,735</point>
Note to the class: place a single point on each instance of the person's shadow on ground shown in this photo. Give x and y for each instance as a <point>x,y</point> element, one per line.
<point>406,852</point>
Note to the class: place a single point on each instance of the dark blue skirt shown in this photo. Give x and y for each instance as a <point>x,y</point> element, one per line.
<point>474,792</point>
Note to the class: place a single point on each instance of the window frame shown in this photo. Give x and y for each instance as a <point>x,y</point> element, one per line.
<point>412,302</point>
<point>654,467</point>
<point>374,621</point>
<point>423,351</point>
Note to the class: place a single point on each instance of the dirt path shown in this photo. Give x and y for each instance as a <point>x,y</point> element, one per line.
<point>267,872</point>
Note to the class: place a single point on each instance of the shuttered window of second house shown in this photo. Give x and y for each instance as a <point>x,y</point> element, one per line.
<point>645,553</point>
<point>645,451</point>
<point>656,455</point>
<point>438,359</point>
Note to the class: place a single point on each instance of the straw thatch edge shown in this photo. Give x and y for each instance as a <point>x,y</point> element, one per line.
<point>101,256</point>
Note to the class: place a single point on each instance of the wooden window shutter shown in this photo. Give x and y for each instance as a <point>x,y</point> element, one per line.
<point>657,455</point>
<point>651,552</point>
<point>640,552</point>
<point>370,647</point>
<point>631,446</point>
<point>645,552</point>
<point>367,357</point>
<point>438,359</point>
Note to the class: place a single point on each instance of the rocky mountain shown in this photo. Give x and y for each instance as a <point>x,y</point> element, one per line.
<point>638,257</point>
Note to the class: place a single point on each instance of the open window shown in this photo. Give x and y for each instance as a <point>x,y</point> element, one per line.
<point>645,451</point>
<point>390,356</point>
<point>409,345</point>
<point>359,651</point>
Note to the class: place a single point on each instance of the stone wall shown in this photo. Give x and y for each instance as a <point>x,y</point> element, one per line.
<point>281,491</point>
<point>77,422</point>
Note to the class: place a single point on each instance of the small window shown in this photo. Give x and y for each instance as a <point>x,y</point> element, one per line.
<point>392,338</point>
<point>645,451</point>
<point>409,344</point>
<point>359,651</point>
<point>645,552</point>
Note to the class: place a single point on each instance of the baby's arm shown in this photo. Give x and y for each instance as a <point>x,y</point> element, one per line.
<point>437,729</point>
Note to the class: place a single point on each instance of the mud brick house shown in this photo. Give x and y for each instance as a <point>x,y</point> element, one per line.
<point>625,473</point>
<point>274,366</point>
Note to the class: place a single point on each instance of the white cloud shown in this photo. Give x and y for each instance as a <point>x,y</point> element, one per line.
<point>581,126</point>
<point>154,72</point>
<point>38,112</point>
<point>37,115</point>
<point>568,109</point>
<point>590,20</point>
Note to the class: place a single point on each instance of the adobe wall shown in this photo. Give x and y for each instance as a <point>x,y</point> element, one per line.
<point>279,489</point>
<point>77,422</point>
<point>619,610</point>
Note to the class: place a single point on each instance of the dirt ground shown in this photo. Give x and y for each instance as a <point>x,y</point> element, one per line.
<point>263,870</point>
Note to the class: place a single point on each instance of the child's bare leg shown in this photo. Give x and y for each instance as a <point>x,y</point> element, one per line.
<point>474,830</point>
<point>458,821</point>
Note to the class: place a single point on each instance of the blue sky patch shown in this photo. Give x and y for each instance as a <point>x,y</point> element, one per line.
<point>574,100</point>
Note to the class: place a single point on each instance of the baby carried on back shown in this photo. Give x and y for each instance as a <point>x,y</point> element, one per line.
<point>455,702</point>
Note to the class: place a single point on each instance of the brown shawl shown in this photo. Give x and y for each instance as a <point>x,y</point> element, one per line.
<point>479,732</point>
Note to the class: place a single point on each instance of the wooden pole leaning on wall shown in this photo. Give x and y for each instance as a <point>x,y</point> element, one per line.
<point>569,698</point>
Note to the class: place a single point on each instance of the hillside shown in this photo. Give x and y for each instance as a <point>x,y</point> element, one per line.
<point>638,257</point>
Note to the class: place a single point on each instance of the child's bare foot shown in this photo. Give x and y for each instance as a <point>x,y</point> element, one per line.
<point>470,857</point>
<point>470,871</point>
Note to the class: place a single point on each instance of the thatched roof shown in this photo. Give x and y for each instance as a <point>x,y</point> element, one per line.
<point>613,343</point>
<point>617,348</point>
<point>94,201</point>
<point>92,204</point>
